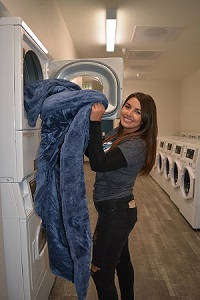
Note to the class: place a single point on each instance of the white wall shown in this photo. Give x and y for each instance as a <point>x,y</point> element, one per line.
<point>190,104</point>
<point>167,98</point>
<point>45,20</point>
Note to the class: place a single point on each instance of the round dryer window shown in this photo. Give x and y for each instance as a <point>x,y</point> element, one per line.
<point>31,67</point>
<point>89,74</point>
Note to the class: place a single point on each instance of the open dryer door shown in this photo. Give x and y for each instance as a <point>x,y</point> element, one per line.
<point>102,74</point>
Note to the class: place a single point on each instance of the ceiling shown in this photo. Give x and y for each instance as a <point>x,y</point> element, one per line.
<point>158,39</point>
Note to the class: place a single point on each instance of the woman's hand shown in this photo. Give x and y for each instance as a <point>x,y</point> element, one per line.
<point>97,112</point>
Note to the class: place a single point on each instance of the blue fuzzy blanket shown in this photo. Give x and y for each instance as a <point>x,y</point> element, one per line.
<point>60,198</point>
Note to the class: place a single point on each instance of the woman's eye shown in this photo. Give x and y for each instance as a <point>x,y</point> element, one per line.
<point>138,112</point>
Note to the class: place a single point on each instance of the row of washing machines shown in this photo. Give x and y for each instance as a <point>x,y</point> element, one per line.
<point>177,171</point>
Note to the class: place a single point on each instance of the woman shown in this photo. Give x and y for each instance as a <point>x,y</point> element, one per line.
<point>129,150</point>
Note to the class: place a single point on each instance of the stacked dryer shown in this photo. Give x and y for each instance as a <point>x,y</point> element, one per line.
<point>26,258</point>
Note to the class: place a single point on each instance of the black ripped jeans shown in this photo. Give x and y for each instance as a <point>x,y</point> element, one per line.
<point>111,253</point>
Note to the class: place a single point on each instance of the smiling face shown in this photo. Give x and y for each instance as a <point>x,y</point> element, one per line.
<point>130,117</point>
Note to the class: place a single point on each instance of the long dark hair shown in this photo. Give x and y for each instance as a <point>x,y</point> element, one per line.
<point>148,130</point>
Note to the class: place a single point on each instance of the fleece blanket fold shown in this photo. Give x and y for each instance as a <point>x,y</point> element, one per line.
<point>60,197</point>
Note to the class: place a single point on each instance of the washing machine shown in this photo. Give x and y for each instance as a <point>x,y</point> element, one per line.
<point>102,74</point>
<point>168,167</point>
<point>176,172</point>
<point>160,161</point>
<point>22,59</point>
<point>189,185</point>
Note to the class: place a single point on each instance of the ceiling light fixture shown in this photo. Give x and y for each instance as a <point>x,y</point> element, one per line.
<point>111,23</point>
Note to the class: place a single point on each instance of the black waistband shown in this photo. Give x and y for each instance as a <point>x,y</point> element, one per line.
<point>114,203</point>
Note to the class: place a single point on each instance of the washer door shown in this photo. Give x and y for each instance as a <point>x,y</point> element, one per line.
<point>160,162</point>
<point>104,75</point>
<point>187,183</point>
<point>176,174</point>
<point>168,167</point>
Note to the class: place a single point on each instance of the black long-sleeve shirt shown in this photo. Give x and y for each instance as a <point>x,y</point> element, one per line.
<point>101,161</point>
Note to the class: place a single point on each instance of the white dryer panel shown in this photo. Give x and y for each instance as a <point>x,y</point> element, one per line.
<point>107,72</point>
<point>191,154</point>
<point>17,198</point>
<point>161,144</point>
<point>169,147</point>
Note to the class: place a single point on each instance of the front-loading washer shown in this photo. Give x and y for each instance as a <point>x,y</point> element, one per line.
<point>168,165</point>
<point>102,74</point>
<point>160,161</point>
<point>189,188</point>
<point>22,59</point>
<point>176,171</point>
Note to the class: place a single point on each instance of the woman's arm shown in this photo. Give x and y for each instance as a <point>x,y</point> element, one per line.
<point>99,160</point>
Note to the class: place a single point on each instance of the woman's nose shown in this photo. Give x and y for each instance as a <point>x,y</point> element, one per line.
<point>129,113</point>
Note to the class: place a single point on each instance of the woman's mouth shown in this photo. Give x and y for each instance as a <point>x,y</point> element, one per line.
<point>128,120</point>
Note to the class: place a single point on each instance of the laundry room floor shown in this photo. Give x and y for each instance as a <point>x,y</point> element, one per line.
<point>165,249</point>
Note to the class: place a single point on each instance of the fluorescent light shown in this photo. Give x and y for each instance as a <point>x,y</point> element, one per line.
<point>30,32</point>
<point>111,24</point>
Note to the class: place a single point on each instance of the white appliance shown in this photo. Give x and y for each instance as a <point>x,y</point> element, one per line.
<point>168,167</point>
<point>26,256</point>
<point>22,60</point>
<point>3,280</point>
<point>190,184</point>
<point>102,74</point>
<point>160,161</point>
<point>176,172</point>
